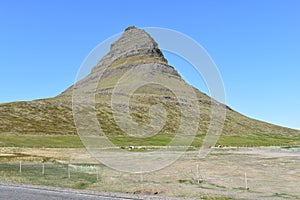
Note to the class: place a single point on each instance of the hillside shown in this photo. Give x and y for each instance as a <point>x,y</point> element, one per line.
<point>135,51</point>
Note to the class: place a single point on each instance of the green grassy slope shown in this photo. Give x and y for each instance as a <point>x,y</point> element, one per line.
<point>54,116</point>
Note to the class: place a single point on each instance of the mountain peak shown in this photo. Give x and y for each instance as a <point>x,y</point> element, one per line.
<point>134,38</point>
<point>133,42</point>
<point>136,41</point>
<point>130,27</point>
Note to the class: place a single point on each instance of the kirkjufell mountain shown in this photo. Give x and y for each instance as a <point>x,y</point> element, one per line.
<point>135,51</point>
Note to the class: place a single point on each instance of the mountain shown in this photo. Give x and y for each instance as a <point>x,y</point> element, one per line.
<point>134,54</point>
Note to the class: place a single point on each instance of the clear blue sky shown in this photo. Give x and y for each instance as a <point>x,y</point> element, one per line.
<point>255,45</point>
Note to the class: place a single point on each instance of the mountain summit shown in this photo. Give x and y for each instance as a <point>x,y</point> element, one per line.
<point>134,54</point>
<point>133,42</point>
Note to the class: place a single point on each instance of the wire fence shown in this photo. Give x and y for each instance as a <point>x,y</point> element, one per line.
<point>95,176</point>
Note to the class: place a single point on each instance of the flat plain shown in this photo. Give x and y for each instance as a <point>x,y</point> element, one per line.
<point>226,173</point>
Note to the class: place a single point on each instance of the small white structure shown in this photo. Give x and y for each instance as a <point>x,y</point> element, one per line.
<point>131,147</point>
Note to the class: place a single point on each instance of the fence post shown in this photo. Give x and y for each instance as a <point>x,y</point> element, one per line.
<point>97,171</point>
<point>69,173</point>
<point>198,176</point>
<point>43,169</point>
<point>141,177</point>
<point>20,169</point>
<point>246,182</point>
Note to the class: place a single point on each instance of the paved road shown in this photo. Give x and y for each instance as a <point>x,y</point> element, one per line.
<point>14,192</point>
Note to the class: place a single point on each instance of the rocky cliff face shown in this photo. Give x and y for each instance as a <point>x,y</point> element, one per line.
<point>133,42</point>
<point>134,54</point>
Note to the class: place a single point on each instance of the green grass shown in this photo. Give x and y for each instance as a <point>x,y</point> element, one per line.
<point>283,195</point>
<point>55,141</point>
<point>32,174</point>
<point>40,141</point>
<point>257,140</point>
<point>73,141</point>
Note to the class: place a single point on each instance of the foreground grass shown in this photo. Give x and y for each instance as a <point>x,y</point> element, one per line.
<point>182,183</point>
<point>73,176</point>
<point>32,174</point>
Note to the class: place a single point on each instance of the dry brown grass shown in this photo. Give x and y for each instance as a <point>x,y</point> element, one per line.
<point>272,173</point>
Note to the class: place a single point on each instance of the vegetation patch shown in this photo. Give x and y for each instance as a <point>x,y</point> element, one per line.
<point>41,141</point>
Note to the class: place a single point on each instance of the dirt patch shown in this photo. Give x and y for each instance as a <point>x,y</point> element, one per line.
<point>150,192</point>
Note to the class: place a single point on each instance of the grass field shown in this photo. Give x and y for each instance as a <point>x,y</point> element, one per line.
<point>81,177</point>
<point>32,173</point>
<point>271,173</point>
<point>40,141</point>
<point>73,141</point>
<point>222,171</point>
